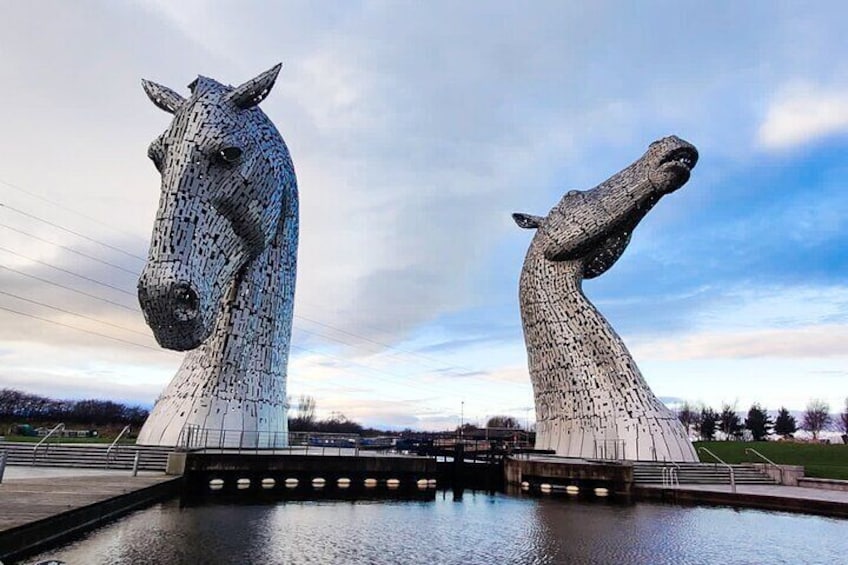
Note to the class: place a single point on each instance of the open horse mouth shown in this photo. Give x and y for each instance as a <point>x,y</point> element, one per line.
<point>682,157</point>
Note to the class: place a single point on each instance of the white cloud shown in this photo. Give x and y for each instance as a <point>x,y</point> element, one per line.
<point>415,131</point>
<point>802,113</point>
<point>806,342</point>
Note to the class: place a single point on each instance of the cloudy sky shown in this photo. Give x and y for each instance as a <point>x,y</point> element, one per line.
<point>416,129</point>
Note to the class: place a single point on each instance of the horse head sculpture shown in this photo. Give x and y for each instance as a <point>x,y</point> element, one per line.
<point>591,399</point>
<point>219,278</point>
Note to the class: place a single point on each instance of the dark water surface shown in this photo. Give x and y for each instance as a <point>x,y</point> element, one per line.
<point>482,528</point>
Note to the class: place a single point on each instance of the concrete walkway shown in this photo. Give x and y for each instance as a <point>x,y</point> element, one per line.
<point>771,497</point>
<point>26,472</point>
<point>41,505</point>
<point>797,493</point>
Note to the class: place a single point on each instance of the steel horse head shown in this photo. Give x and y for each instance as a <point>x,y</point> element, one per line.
<point>220,277</point>
<point>226,177</point>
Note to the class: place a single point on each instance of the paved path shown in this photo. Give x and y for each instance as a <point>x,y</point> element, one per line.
<point>27,500</point>
<point>771,497</point>
<point>27,472</point>
<point>795,493</point>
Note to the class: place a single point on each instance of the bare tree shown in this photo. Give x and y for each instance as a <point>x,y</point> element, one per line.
<point>816,417</point>
<point>843,418</point>
<point>689,416</point>
<point>304,417</point>
<point>502,422</point>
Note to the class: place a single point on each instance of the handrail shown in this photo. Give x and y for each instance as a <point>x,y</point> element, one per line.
<point>669,477</point>
<point>671,473</point>
<point>717,458</point>
<point>195,437</point>
<point>767,460</point>
<point>113,444</point>
<point>55,429</point>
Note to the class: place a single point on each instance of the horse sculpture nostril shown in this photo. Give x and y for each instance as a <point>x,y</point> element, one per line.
<point>185,302</point>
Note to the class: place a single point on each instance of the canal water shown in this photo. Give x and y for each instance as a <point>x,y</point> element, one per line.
<point>489,529</point>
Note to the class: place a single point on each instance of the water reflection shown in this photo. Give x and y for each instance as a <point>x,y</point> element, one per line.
<point>481,528</point>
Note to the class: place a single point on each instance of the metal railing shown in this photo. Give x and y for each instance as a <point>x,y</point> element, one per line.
<point>767,460</point>
<point>670,475</point>
<point>611,449</point>
<point>56,428</point>
<point>241,441</point>
<point>114,445</point>
<point>717,458</point>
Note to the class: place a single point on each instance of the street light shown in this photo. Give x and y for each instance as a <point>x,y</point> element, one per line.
<point>461,418</point>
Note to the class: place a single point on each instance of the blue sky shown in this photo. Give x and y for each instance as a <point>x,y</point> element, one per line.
<point>416,129</point>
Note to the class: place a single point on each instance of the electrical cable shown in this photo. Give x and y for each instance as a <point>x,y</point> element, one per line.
<point>158,350</point>
<point>89,279</point>
<point>67,208</point>
<point>58,309</point>
<point>80,253</point>
<point>95,297</point>
<point>76,233</point>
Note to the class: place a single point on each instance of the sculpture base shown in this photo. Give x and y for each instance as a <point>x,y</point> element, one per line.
<point>215,423</point>
<point>644,439</point>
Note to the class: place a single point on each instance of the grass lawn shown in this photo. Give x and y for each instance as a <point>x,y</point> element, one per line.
<point>823,461</point>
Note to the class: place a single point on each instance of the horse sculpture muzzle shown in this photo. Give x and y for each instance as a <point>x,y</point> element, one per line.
<point>172,307</point>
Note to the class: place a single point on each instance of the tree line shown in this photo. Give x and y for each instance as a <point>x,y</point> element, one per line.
<point>20,407</point>
<point>706,422</point>
<point>302,419</point>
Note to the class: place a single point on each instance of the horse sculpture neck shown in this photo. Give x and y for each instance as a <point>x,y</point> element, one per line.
<point>249,348</point>
<point>591,398</point>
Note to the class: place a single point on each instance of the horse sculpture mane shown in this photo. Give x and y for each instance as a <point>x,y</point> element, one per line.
<point>220,276</point>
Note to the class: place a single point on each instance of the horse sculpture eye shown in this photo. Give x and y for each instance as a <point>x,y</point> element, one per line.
<point>156,154</point>
<point>229,155</point>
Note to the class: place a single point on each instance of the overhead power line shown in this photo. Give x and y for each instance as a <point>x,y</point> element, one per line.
<point>401,353</point>
<point>69,249</point>
<point>54,322</point>
<point>89,279</point>
<point>58,309</point>
<point>68,209</point>
<point>68,230</point>
<point>93,296</point>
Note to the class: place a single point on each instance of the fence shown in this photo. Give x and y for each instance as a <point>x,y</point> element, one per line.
<point>195,437</point>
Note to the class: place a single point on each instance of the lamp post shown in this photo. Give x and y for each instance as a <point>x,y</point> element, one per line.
<point>461,418</point>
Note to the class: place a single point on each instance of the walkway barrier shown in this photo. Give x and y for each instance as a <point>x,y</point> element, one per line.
<point>609,449</point>
<point>767,460</point>
<point>45,442</point>
<point>729,468</point>
<point>195,437</point>
<point>114,446</point>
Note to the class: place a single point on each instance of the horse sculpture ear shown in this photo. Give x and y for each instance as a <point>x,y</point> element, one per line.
<point>162,96</point>
<point>527,221</point>
<point>255,90</point>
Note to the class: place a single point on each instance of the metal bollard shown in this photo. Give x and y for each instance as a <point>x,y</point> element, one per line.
<point>2,464</point>
<point>135,463</point>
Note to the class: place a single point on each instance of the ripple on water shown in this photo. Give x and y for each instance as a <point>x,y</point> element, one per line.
<point>480,529</point>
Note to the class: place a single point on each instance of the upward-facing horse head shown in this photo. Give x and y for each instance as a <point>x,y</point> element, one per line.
<point>220,277</point>
<point>225,173</point>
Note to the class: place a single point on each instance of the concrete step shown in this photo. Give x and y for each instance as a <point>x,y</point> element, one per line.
<point>86,456</point>
<point>699,473</point>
